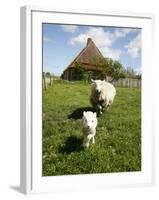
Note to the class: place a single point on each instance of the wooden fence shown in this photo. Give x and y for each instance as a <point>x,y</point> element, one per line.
<point>127,82</point>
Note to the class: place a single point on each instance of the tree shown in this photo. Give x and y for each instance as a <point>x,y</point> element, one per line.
<point>79,72</point>
<point>116,70</point>
<point>131,73</point>
<point>109,67</point>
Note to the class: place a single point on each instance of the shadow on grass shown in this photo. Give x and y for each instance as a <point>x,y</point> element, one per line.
<point>72,144</point>
<point>78,113</point>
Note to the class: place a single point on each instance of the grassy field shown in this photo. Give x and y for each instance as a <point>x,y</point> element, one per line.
<point>118,139</point>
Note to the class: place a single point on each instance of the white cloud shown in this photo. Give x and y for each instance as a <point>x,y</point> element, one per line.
<point>46,39</point>
<point>111,53</point>
<point>103,39</point>
<point>134,46</point>
<point>69,28</point>
<point>122,32</point>
<point>99,36</point>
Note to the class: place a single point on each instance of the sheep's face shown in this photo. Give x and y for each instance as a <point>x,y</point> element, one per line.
<point>98,84</point>
<point>89,120</point>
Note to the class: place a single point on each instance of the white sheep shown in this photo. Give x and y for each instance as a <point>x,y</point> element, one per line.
<point>102,94</point>
<point>89,124</point>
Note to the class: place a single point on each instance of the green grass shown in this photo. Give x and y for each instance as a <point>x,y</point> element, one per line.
<point>118,140</point>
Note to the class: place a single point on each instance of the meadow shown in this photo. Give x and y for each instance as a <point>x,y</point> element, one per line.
<point>118,140</point>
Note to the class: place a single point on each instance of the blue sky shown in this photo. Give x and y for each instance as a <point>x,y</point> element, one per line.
<point>61,43</point>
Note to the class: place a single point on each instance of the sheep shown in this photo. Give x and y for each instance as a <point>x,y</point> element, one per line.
<point>102,95</point>
<point>89,124</point>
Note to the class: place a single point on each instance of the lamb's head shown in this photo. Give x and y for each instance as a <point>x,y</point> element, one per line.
<point>98,86</point>
<point>89,120</point>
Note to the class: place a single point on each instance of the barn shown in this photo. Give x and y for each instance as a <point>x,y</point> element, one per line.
<point>84,58</point>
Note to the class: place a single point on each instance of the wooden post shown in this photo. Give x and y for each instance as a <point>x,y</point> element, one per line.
<point>138,85</point>
<point>44,81</point>
<point>50,79</point>
<point>130,83</point>
<point>123,82</point>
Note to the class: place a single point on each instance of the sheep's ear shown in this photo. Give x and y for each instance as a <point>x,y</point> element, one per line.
<point>84,113</point>
<point>95,114</point>
<point>92,80</point>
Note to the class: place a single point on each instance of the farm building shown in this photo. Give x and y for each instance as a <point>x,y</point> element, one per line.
<point>84,58</point>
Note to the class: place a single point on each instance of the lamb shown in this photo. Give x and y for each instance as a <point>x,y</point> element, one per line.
<point>102,95</point>
<point>89,124</point>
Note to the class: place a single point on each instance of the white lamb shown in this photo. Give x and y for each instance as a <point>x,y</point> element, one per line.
<point>102,95</point>
<point>89,124</point>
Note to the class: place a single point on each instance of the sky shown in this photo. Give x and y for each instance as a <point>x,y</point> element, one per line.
<point>62,43</point>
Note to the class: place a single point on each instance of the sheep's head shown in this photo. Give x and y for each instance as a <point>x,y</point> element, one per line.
<point>89,120</point>
<point>98,85</point>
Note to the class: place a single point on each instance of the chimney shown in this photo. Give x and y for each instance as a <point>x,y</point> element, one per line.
<point>88,41</point>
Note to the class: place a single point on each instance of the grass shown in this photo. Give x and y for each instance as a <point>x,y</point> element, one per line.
<point>118,140</point>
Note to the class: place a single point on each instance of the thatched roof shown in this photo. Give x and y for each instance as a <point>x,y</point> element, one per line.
<point>84,57</point>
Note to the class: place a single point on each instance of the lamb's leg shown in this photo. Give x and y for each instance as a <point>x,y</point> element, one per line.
<point>93,140</point>
<point>86,141</point>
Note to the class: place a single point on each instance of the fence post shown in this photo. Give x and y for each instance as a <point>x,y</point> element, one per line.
<point>44,81</point>
<point>50,79</point>
<point>128,82</point>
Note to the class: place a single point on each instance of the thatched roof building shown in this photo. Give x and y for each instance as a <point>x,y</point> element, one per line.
<point>85,59</point>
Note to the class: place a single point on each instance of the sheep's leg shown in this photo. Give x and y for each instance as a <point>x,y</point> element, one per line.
<point>108,107</point>
<point>109,103</point>
<point>103,108</point>
<point>97,110</point>
<point>86,141</point>
<point>93,140</point>
<point>100,109</point>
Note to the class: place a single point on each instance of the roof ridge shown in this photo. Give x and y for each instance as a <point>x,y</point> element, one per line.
<point>82,51</point>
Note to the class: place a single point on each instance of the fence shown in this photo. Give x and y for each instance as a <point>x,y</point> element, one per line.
<point>127,82</point>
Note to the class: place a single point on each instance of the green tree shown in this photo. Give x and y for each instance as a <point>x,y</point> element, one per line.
<point>116,70</point>
<point>131,73</point>
<point>109,67</point>
<point>79,72</point>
